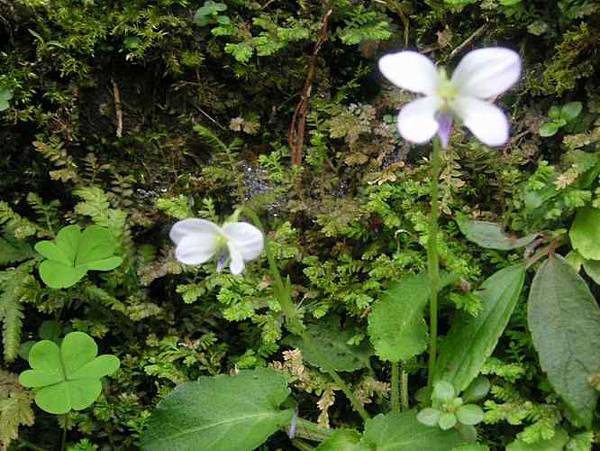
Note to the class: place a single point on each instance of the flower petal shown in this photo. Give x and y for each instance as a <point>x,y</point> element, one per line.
<point>196,248</point>
<point>190,226</point>
<point>487,122</point>
<point>417,122</point>
<point>236,265</point>
<point>410,70</point>
<point>247,239</point>
<point>485,73</point>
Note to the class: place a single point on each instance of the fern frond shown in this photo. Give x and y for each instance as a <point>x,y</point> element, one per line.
<point>47,213</point>
<point>96,205</point>
<point>210,138</point>
<point>54,152</point>
<point>15,408</point>
<point>12,282</point>
<point>19,226</point>
<point>13,250</point>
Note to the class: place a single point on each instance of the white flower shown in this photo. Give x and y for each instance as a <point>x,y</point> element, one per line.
<point>481,75</point>
<point>199,240</point>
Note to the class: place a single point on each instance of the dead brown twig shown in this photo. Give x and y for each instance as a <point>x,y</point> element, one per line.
<point>118,109</point>
<point>298,123</point>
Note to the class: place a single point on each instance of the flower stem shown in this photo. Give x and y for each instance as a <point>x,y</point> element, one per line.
<point>404,392</point>
<point>395,382</point>
<point>294,323</point>
<point>432,257</point>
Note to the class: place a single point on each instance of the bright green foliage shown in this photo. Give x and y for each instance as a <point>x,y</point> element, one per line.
<point>556,443</point>
<point>471,340</point>
<point>396,325</point>
<point>564,320</point>
<point>67,378</point>
<point>73,253</point>
<point>491,235</point>
<point>585,233</point>
<point>222,413</point>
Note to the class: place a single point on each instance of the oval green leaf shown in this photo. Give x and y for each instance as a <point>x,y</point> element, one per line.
<point>564,319</point>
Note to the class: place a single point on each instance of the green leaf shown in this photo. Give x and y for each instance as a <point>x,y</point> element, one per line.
<point>472,340</point>
<point>491,235</point>
<point>443,391</point>
<point>402,432</point>
<point>341,440</point>
<point>73,253</point>
<point>221,413</point>
<point>592,269</point>
<point>5,95</point>
<point>548,129</point>
<point>396,326</point>
<point>585,233</point>
<point>67,378</point>
<point>333,345</point>
<point>571,110</point>
<point>556,443</point>
<point>477,389</point>
<point>447,421</point>
<point>470,414</point>
<point>564,320</point>
<point>429,416</point>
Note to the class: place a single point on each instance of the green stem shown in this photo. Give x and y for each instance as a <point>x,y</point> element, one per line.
<point>301,446</point>
<point>63,441</point>
<point>311,431</point>
<point>294,323</point>
<point>395,382</point>
<point>432,257</point>
<point>404,393</point>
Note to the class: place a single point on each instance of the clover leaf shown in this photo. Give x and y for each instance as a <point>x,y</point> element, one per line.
<point>73,253</point>
<point>67,378</point>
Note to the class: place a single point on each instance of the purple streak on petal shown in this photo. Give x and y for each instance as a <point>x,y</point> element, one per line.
<point>445,128</point>
<point>221,262</point>
<point>293,425</point>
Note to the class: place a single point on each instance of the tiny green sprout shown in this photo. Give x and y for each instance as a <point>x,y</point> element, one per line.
<point>209,13</point>
<point>73,253</point>
<point>67,378</point>
<point>448,410</point>
<point>560,117</point>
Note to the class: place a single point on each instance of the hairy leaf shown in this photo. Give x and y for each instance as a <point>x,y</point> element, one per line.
<point>221,413</point>
<point>396,325</point>
<point>564,320</point>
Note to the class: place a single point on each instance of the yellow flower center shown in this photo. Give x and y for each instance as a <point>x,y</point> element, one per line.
<point>446,89</point>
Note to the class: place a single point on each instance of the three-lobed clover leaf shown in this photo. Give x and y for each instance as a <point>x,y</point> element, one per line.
<point>67,378</point>
<point>73,253</point>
